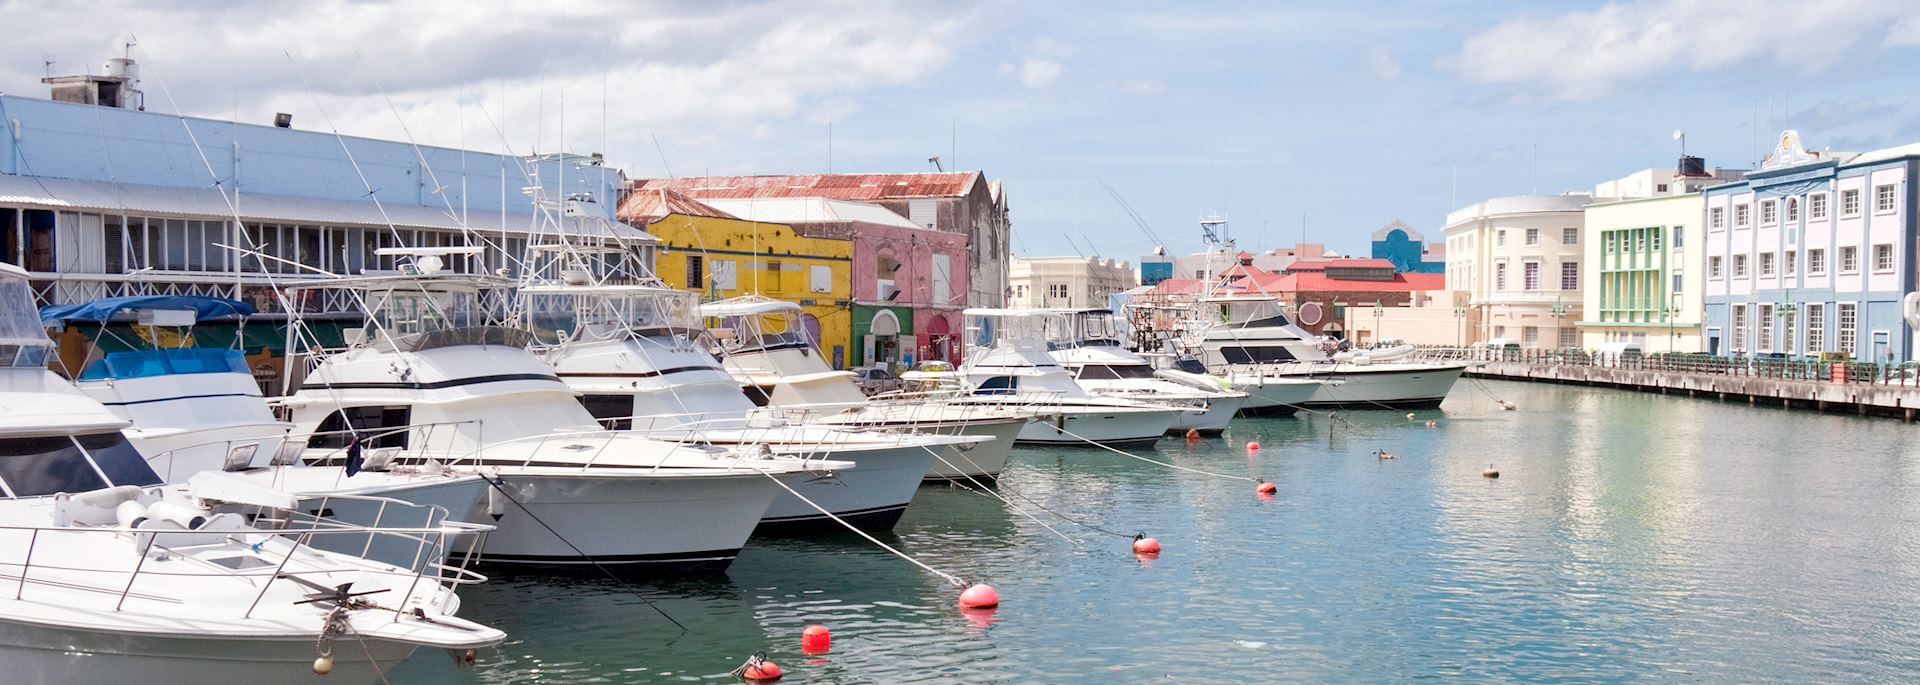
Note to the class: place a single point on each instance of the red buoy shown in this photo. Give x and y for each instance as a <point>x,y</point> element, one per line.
<point>979,596</point>
<point>1266,488</point>
<point>1193,434</point>
<point>759,670</point>
<point>1253,446</point>
<point>1431,423</point>
<point>1146,546</point>
<point>815,639</point>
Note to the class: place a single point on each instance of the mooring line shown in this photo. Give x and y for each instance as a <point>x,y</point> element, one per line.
<point>499,485</point>
<point>982,488</point>
<point>957,582</point>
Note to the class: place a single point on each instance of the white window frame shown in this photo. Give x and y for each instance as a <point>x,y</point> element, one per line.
<point>1569,267</point>
<point>1530,274</point>
<point>1789,263</point>
<point>1500,238</point>
<point>1740,266</point>
<point>1793,209</point>
<point>1764,317</point>
<point>1846,338</point>
<point>1714,267</point>
<point>1816,261</point>
<point>1817,206</point>
<point>1883,252</point>
<point>1742,215</point>
<point>1850,202</point>
<point>1738,316</point>
<point>1570,235</point>
<point>1885,199</point>
<point>1717,218</point>
<point>1769,212</point>
<point>1849,259</point>
<point>1816,331</point>
<point>1500,276</point>
<point>1532,237</point>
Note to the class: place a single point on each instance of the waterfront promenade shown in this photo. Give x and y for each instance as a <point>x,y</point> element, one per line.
<point>1867,389</point>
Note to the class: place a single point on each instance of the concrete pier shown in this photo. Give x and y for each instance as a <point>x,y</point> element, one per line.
<point>1891,400</point>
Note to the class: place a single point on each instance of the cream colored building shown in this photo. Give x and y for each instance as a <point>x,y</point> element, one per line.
<point>1040,282</point>
<point>1640,288</point>
<point>1519,258</point>
<point>1432,317</point>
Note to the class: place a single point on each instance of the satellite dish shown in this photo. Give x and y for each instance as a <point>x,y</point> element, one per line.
<point>1679,134</point>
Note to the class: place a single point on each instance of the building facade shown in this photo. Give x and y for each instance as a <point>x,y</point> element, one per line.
<point>1409,252</point>
<point>961,202</point>
<point>1645,231</point>
<point>909,283</point>
<point>1520,258</point>
<point>1812,253</point>
<point>716,254</point>
<point>1071,282</point>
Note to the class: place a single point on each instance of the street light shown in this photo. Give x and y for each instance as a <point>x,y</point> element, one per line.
<point>1787,310</point>
<point>1673,311</point>
<point>1378,310</point>
<point>1559,311</point>
<point>1460,325</point>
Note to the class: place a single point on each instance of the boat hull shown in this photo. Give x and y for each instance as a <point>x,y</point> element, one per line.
<point>1220,411</point>
<point>1103,427</point>
<point>37,653</point>
<point>626,524</point>
<point>980,460</point>
<point>870,496</point>
<point>1360,387</point>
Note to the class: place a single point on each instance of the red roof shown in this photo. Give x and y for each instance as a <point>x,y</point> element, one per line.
<point>642,207</point>
<point>834,186</point>
<point>1324,264</point>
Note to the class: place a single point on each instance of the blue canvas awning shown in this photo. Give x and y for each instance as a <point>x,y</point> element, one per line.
<point>204,308</point>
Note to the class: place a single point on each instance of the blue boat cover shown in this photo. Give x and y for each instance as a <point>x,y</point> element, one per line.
<point>165,362</point>
<point>104,310</point>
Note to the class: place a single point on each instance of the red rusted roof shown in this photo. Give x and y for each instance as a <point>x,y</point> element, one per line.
<point>642,207</point>
<point>834,186</point>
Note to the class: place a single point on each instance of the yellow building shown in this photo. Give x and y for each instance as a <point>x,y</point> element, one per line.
<point>720,256</point>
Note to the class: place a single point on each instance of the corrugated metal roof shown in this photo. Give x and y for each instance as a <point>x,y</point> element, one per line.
<point>835,186</point>
<point>643,207</point>
<point>802,210</point>
<point>62,193</point>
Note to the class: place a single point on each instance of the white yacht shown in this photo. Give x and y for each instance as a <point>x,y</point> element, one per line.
<point>1249,339</point>
<point>116,577</point>
<point>432,386</point>
<point>634,354</point>
<point>198,409</point>
<point>1010,363</point>
<point>1086,343</point>
<point>760,343</point>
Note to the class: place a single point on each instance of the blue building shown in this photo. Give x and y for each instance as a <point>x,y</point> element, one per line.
<point>1813,252</point>
<point>99,198</point>
<point>1407,249</point>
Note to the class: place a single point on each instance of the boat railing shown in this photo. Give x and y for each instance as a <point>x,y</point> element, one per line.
<point>434,544</point>
<point>606,439</point>
<point>240,450</point>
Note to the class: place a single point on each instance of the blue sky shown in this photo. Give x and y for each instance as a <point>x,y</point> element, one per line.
<point>1351,114</point>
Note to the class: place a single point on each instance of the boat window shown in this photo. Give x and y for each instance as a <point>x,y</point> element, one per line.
<point>44,466</point>
<point>117,458</point>
<point>997,385</point>
<point>1190,365</point>
<point>1253,355</point>
<point>613,411</point>
<point>333,434</point>
<point>1110,372</point>
<point>1268,322</point>
<point>163,362</point>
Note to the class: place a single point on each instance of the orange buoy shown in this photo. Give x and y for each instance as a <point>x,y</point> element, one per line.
<point>1266,488</point>
<point>759,670</point>
<point>1432,423</point>
<point>1193,434</point>
<point>1145,546</point>
<point>1491,472</point>
<point>1253,446</point>
<point>815,639</point>
<point>979,596</point>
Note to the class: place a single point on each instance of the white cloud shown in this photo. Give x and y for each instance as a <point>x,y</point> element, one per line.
<point>1587,53</point>
<point>697,74</point>
<point>1139,87</point>
<point>1382,65</point>
<point>1038,73</point>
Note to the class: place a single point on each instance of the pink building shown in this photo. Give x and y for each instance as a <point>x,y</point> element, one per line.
<point>909,283</point>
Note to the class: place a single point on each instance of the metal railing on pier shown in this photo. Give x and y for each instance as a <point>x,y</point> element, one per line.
<point>1741,366</point>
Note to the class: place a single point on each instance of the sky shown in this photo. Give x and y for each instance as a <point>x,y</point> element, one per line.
<point>1326,120</point>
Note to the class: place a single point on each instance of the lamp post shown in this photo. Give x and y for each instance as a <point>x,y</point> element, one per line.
<point>1378,309</point>
<point>1559,311</point>
<point>1460,325</point>
<point>1673,311</point>
<point>1786,311</point>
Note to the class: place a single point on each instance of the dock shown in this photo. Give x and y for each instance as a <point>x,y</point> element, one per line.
<point>1864,389</point>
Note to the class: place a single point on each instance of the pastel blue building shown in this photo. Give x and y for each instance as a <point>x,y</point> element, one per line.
<point>1811,253</point>
<point>1407,249</point>
<point>99,198</point>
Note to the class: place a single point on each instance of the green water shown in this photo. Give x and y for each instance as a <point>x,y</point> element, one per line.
<point>1631,537</point>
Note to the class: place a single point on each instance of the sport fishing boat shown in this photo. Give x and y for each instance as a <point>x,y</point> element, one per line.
<point>633,352</point>
<point>118,577</point>
<point>1011,363</point>
<point>198,409</point>
<point>1086,343</point>
<point>762,345</point>
<point>433,384</point>
<point>1249,339</point>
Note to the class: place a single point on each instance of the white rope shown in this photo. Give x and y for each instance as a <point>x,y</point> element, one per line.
<point>943,574</point>
<point>990,493</point>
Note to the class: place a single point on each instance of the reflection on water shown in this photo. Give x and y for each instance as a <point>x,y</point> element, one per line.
<point>1630,537</point>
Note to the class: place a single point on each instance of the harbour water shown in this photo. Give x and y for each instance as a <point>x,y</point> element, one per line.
<point>1631,537</point>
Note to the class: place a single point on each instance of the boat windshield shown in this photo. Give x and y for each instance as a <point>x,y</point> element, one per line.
<point>1111,372</point>
<point>606,316</point>
<point>163,362</point>
<point>1251,313</point>
<point>23,339</point>
<point>765,331</point>
<point>1084,329</point>
<point>40,466</point>
<point>409,312</point>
